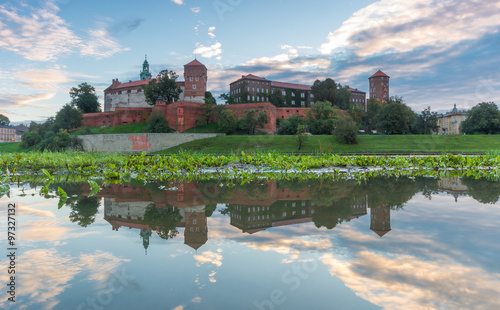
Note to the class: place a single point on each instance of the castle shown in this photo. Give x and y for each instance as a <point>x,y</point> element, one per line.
<point>130,94</point>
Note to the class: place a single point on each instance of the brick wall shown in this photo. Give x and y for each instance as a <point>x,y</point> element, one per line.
<point>240,110</point>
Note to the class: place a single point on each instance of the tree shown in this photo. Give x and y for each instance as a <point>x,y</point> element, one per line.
<point>229,99</point>
<point>227,122</point>
<point>289,126</point>
<point>163,220</point>
<point>373,107</point>
<point>343,98</point>
<point>68,118</point>
<point>30,138</point>
<point>157,123</point>
<point>301,136</point>
<point>395,117</point>
<point>4,120</point>
<point>84,98</point>
<point>346,131</point>
<point>321,118</point>
<point>324,90</point>
<point>163,85</point>
<point>248,123</point>
<point>211,110</point>
<point>209,98</point>
<point>84,210</point>
<point>484,118</point>
<point>425,122</point>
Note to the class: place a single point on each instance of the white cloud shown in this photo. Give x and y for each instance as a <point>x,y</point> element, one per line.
<point>211,32</point>
<point>214,50</point>
<point>391,26</point>
<point>40,34</point>
<point>179,2</point>
<point>210,258</point>
<point>196,10</point>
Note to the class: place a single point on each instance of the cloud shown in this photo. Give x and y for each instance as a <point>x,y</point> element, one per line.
<point>211,32</point>
<point>210,258</point>
<point>196,10</point>
<point>214,50</point>
<point>43,79</point>
<point>21,100</point>
<point>39,34</point>
<point>391,26</point>
<point>179,2</point>
<point>126,26</point>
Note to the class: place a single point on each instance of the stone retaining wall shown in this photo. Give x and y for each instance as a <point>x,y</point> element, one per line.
<point>139,142</point>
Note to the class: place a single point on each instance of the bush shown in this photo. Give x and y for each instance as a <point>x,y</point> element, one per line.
<point>346,131</point>
<point>158,124</point>
<point>227,122</point>
<point>30,138</point>
<point>301,136</point>
<point>290,126</point>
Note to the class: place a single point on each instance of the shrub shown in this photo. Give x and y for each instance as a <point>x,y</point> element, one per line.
<point>158,124</point>
<point>346,131</point>
<point>301,136</point>
<point>227,122</point>
<point>30,138</point>
<point>290,126</point>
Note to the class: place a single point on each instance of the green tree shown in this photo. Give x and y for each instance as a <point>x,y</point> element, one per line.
<point>248,123</point>
<point>228,99</point>
<point>289,126</point>
<point>163,220</point>
<point>343,98</point>
<point>83,210</point>
<point>211,110</point>
<point>4,120</point>
<point>320,118</point>
<point>395,117</point>
<point>425,122</point>
<point>84,98</point>
<point>484,118</point>
<point>301,136</point>
<point>157,123</point>
<point>163,85</point>
<point>373,107</point>
<point>324,90</point>
<point>30,138</point>
<point>227,122</point>
<point>209,98</point>
<point>346,130</point>
<point>68,118</point>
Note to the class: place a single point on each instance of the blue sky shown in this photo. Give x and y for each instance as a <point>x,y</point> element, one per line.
<point>438,53</point>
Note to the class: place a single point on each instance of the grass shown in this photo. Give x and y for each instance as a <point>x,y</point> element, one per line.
<point>397,144</point>
<point>13,148</point>
<point>130,128</point>
<point>207,128</point>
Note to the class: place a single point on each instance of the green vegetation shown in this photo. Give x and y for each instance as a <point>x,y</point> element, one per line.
<point>84,98</point>
<point>158,124</point>
<point>368,144</point>
<point>206,128</point>
<point>163,86</point>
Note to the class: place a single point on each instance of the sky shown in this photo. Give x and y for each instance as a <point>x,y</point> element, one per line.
<point>437,52</point>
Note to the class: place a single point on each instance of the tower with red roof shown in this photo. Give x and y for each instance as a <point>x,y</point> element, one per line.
<point>195,77</point>
<point>379,86</point>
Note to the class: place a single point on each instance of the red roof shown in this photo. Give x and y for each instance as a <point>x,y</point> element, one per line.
<point>194,63</point>
<point>118,85</point>
<point>290,85</point>
<point>355,90</point>
<point>251,77</point>
<point>379,73</point>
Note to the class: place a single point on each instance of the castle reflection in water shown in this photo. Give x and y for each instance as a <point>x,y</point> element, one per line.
<point>256,207</point>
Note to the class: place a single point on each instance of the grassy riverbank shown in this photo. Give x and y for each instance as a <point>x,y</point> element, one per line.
<point>395,144</point>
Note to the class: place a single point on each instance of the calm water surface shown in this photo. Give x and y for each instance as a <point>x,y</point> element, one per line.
<point>383,244</point>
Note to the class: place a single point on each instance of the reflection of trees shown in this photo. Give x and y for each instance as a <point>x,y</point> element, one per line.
<point>83,210</point>
<point>330,216</point>
<point>390,192</point>
<point>482,190</point>
<point>163,220</point>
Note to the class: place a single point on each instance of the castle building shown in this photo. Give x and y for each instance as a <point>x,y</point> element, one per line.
<point>449,123</point>
<point>358,97</point>
<point>380,220</point>
<point>7,133</point>
<point>251,88</point>
<point>379,86</point>
<point>130,94</point>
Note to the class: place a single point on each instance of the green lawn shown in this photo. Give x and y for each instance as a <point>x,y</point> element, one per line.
<point>367,144</point>
<point>130,128</point>
<point>207,128</point>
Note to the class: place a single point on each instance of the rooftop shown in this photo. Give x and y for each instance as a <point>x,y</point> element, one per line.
<point>379,73</point>
<point>290,85</point>
<point>194,63</point>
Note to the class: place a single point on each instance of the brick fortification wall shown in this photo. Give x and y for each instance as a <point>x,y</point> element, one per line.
<point>183,115</point>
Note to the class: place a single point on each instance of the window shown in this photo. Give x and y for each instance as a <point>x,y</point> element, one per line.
<point>303,103</point>
<point>302,95</point>
<point>258,89</point>
<point>190,78</point>
<point>293,94</point>
<point>283,93</point>
<point>194,86</point>
<point>293,102</point>
<point>253,89</point>
<point>197,79</point>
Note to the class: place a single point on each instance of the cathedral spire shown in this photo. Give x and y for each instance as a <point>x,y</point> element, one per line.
<point>145,74</point>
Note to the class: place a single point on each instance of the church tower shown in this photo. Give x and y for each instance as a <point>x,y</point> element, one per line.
<point>195,77</point>
<point>145,74</point>
<point>379,86</point>
<point>380,220</point>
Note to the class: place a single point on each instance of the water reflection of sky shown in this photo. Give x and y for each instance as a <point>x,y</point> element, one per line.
<point>439,254</point>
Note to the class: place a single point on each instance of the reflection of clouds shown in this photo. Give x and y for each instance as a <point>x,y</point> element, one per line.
<point>210,258</point>
<point>47,230</point>
<point>45,273</point>
<point>407,282</point>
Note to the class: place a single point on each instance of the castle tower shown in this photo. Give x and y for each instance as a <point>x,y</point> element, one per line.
<point>195,77</point>
<point>379,86</point>
<point>380,220</point>
<point>145,234</point>
<point>196,230</point>
<point>145,74</point>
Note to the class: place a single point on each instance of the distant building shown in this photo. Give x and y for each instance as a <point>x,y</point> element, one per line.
<point>130,94</point>
<point>7,134</point>
<point>358,97</point>
<point>449,123</point>
<point>379,86</point>
<point>20,130</point>
<point>251,88</point>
